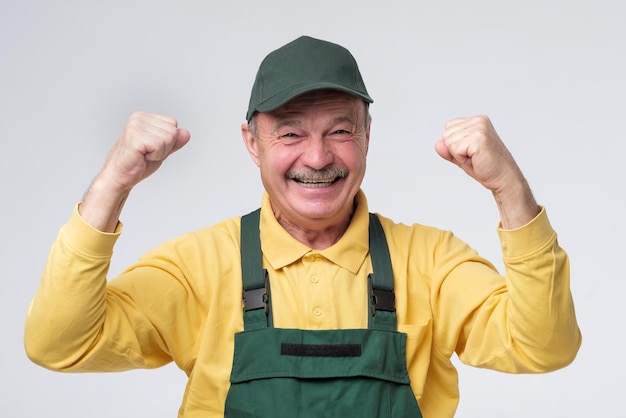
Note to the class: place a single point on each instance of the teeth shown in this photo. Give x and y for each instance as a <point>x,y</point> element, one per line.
<point>316,183</point>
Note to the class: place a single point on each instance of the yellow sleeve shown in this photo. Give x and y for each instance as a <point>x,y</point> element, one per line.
<point>66,328</point>
<point>525,322</point>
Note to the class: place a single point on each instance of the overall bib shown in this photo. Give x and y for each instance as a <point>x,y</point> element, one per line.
<point>297,373</point>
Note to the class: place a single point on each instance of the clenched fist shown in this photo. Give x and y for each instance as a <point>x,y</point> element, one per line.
<point>146,141</point>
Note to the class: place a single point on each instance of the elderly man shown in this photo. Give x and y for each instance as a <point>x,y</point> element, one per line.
<point>311,306</point>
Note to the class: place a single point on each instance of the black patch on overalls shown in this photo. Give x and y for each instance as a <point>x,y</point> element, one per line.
<point>320,350</point>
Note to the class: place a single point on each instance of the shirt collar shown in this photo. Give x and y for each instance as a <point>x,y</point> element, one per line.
<point>281,249</point>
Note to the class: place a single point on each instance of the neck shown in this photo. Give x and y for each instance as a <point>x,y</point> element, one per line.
<point>315,234</point>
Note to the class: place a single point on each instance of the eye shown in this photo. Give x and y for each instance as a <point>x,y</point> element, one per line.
<point>290,137</point>
<point>341,134</point>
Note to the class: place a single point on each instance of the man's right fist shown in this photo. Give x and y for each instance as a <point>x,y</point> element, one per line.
<point>146,141</point>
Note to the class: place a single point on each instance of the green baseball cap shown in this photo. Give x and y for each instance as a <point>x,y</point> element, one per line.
<point>301,66</point>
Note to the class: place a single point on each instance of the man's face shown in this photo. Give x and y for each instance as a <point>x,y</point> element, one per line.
<point>311,153</point>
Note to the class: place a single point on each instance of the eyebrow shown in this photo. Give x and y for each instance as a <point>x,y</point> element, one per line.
<point>340,119</point>
<point>294,122</point>
<point>288,122</point>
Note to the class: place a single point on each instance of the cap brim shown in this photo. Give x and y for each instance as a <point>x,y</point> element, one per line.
<point>283,97</point>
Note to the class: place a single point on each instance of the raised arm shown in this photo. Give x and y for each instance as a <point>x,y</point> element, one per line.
<point>66,319</point>
<point>530,327</point>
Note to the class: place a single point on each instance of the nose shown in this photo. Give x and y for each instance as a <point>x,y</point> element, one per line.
<point>318,153</point>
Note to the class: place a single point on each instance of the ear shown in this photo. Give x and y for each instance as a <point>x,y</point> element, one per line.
<point>250,142</point>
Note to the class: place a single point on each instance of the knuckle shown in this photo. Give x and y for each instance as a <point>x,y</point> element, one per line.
<point>171,121</point>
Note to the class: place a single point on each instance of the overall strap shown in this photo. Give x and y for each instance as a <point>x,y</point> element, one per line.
<point>256,286</point>
<point>382,302</point>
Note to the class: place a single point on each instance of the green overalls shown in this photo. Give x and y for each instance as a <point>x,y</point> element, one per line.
<point>323,373</point>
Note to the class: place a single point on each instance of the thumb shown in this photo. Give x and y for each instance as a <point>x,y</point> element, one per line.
<point>443,151</point>
<point>182,138</point>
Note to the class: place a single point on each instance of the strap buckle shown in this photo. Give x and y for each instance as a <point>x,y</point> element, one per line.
<point>382,300</point>
<point>254,299</point>
<point>257,298</point>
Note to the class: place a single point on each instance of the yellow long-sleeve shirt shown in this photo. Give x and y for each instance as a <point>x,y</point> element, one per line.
<point>182,302</point>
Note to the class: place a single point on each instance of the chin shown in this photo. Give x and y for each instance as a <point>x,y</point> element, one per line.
<point>320,210</point>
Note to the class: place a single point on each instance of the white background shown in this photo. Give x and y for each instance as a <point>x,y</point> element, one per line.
<point>549,74</point>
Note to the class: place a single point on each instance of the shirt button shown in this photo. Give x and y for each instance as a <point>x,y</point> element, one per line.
<point>317,311</point>
<point>315,279</point>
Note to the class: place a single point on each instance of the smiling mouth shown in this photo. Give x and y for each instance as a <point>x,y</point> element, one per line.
<point>317,178</point>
